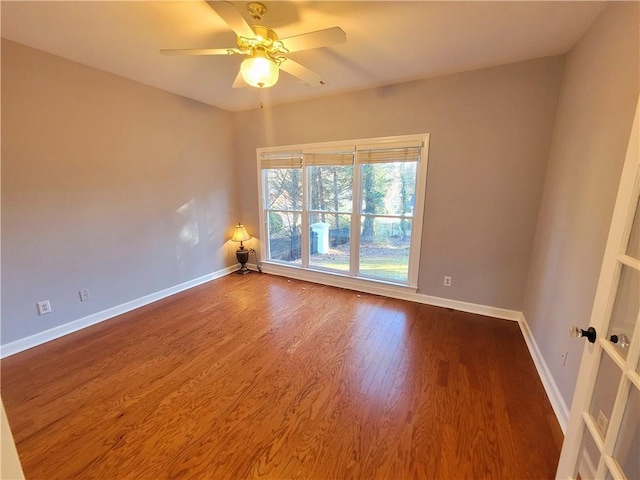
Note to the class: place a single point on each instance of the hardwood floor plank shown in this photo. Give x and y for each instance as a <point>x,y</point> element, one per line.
<point>262,377</point>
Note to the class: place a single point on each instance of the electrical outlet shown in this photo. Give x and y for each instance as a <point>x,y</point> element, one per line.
<point>84,295</point>
<point>564,358</point>
<point>44,307</point>
<point>447,281</point>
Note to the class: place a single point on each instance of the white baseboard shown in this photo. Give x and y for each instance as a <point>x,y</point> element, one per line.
<point>388,290</point>
<point>553,392</point>
<point>62,330</point>
<point>485,310</point>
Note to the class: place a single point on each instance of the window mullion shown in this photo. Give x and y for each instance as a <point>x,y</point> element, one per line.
<point>264,213</point>
<point>306,244</point>
<point>356,195</point>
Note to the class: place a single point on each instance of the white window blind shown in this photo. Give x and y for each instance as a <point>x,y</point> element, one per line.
<point>328,158</point>
<point>406,152</point>
<point>284,159</point>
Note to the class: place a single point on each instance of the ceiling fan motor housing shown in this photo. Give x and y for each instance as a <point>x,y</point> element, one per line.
<point>266,42</point>
<point>265,34</point>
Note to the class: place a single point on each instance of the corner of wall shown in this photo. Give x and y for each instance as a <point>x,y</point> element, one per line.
<point>551,388</point>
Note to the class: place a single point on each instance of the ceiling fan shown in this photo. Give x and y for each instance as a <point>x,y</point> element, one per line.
<point>266,53</point>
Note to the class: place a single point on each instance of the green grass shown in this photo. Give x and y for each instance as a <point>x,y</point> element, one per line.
<point>391,268</point>
<point>341,264</point>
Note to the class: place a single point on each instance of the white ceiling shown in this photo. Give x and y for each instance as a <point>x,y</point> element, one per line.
<point>387,42</point>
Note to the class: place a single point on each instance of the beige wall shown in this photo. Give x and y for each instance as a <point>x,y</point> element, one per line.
<point>596,108</point>
<point>108,185</point>
<point>490,135</point>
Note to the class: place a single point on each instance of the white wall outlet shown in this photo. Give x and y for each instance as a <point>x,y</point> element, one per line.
<point>84,295</point>
<point>44,307</point>
<point>447,281</point>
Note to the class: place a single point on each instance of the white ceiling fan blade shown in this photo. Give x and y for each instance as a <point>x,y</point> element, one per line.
<point>230,14</point>
<point>319,38</point>
<point>309,77</point>
<point>239,81</point>
<point>200,51</point>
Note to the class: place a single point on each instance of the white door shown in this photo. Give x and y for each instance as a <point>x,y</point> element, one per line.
<point>603,435</point>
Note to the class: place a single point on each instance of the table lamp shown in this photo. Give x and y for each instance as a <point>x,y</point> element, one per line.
<point>242,254</point>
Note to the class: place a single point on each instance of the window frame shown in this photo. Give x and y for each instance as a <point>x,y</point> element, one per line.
<point>353,278</point>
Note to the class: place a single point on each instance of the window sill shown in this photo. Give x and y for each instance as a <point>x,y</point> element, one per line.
<point>377,287</point>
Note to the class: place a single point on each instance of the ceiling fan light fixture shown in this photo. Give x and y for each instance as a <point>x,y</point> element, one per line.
<point>265,51</point>
<point>259,71</point>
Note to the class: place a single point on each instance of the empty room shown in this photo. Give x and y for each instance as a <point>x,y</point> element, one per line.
<point>320,240</point>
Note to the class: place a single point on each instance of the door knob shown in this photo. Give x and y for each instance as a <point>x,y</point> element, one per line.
<point>590,333</point>
<point>622,340</point>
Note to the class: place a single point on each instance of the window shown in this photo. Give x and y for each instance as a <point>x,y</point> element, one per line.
<point>283,205</point>
<point>330,180</point>
<point>352,209</point>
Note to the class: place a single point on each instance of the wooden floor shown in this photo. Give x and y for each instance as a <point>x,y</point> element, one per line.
<point>260,377</point>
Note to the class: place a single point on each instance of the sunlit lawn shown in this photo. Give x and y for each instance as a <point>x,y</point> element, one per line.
<point>337,263</point>
<point>388,263</point>
<point>392,268</point>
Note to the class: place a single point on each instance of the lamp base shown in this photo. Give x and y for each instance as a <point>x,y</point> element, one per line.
<point>243,257</point>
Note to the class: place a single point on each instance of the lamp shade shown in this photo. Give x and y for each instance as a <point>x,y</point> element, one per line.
<point>240,234</point>
<point>259,71</point>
